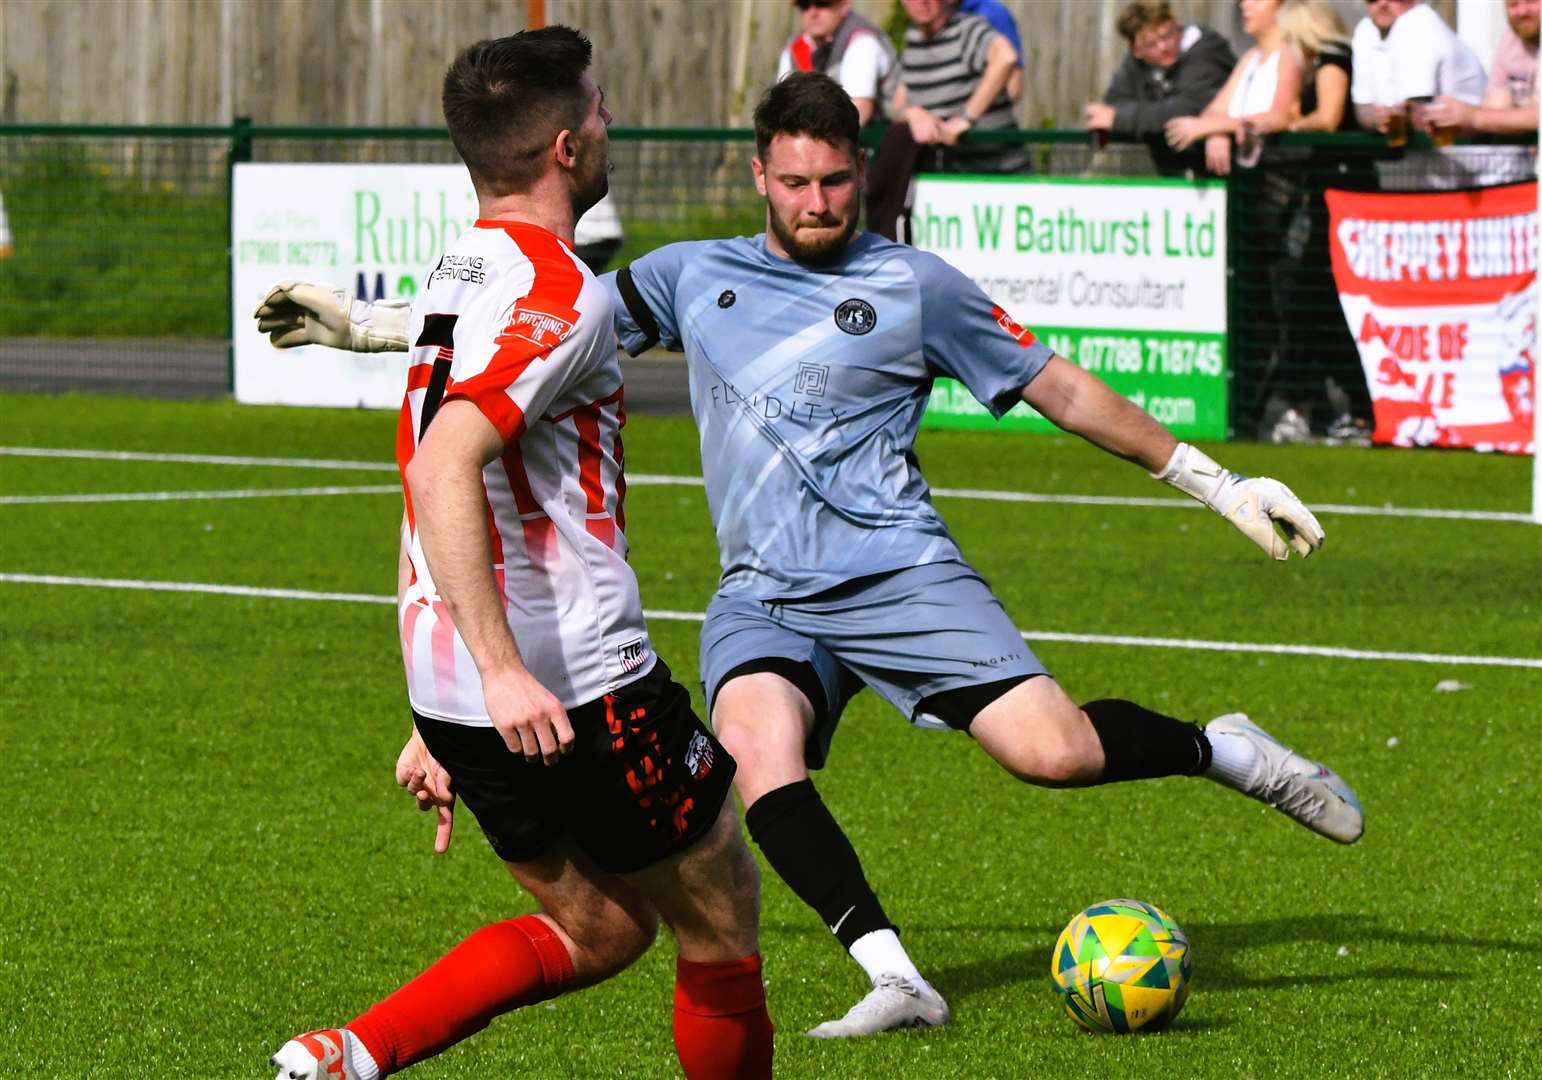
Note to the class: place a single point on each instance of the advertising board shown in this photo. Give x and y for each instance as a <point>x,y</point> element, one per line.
<point>1126,277</point>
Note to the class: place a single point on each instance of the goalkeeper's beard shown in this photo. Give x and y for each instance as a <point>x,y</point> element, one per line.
<point>811,249</point>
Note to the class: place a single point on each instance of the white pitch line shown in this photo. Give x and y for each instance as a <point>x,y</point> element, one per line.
<point>1190,504</point>
<point>1193,644</point>
<point>177,496</point>
<point>195,587</point>
<point>1331,651</point>
<point>195,459</point>
<point>663,479</point>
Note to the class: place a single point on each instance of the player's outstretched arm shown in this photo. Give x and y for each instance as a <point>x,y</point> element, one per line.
<point>1265,511</point>
<point>310,313</point>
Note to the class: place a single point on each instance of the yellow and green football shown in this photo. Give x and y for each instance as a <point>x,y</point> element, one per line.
<point>1122,966</point>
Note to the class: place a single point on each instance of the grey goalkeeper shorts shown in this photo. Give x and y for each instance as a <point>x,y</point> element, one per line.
<point>909,634</point>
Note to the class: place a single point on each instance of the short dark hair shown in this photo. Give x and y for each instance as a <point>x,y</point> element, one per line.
<point>806,103</point>
<point>506,99</point>
<point>1141,14</point>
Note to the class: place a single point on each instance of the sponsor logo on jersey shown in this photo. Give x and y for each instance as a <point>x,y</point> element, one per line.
<point>726,298</point>
<point>803,410</point>
<point>632,654</point>
<point>541,327</point>
<point>1024,337</point>
<point>856,316</point>
<point>465,268</point>
<point>698,756</point>
<point>812,379</point>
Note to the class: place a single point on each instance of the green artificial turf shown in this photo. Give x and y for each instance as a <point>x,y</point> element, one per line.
<point>206,853</point>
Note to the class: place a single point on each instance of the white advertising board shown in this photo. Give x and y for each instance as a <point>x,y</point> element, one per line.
<point>374,230</point>
<point>1126,277</point>
<point>1117,254</point>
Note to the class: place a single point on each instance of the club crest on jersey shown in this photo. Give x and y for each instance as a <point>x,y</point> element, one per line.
<point>698,756</point>
<point>726,298</point>
<point>1024,337</point>
<point>856,316</point>
<point>542,327</point>
<point>632,654</point>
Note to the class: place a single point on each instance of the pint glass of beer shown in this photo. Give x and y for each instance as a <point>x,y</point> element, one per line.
<point>1397,125</point>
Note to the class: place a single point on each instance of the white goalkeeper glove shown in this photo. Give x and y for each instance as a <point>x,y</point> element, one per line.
<point>1256,505</point>
<point>306,313</point>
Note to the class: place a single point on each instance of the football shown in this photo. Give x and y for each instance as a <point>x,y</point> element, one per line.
<point>1122,966</point>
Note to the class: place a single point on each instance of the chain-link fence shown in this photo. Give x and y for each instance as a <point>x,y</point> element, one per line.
<point>1296,368</point>
<point>118,273</point>
<point>118,261</point>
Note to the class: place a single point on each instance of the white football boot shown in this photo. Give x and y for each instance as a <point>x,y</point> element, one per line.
<point>317,1055</point>
<point>1306,790</point>
<point>894,1002</point>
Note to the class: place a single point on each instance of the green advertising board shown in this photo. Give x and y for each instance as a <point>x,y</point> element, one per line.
<point>1125,277</point>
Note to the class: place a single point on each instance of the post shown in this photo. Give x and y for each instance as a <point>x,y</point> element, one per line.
<point>240,150</point>
<point>1536,369</point>
<point>1479,23</point>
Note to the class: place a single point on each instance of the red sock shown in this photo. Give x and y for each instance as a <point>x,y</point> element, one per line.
<point>722,1030</point>
<point>498,968</point>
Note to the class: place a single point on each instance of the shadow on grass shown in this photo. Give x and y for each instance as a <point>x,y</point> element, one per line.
<point>1222,951</point>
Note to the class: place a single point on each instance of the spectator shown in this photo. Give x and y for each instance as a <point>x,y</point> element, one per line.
<point>1171,71</point>
<point>954,71</point>
<point>1262,95</point>
<point>1319,364</point>
<point>1403,50</point>
<point>843,45</point>
<point>1319,42</point>
<point>996,13</point>
<point>1509,106</point>
<point>1405,57</point>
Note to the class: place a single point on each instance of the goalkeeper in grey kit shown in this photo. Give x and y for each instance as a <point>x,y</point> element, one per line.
<point>837,570</point>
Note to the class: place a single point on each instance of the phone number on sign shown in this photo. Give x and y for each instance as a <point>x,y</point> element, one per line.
<point>1129,354</point>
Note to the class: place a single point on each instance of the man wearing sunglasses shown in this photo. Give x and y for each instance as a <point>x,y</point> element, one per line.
<point>838,42</point>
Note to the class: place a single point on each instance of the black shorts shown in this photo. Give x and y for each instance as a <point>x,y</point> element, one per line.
<point>645,779</point>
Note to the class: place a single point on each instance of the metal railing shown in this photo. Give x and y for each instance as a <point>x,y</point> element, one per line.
<point>120,239</point>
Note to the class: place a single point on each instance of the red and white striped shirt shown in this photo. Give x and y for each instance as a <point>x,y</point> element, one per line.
<point>526,333</point>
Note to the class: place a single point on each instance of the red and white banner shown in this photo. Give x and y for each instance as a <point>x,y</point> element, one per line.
<point>1439,292</point>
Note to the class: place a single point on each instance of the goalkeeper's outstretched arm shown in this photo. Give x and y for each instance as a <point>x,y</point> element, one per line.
<point>1265,511</point>
<point>307,313</point>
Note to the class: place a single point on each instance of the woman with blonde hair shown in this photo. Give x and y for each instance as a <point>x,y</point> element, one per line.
<point>1263,94</point>
<point>1320,378</point>
<point>1319,42</point>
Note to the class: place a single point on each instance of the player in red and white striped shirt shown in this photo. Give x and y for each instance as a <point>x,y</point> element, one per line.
<point>537,699</point>
<point>539,375</point>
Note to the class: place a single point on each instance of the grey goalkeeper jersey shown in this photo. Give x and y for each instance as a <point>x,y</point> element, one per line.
<point>808,386</point>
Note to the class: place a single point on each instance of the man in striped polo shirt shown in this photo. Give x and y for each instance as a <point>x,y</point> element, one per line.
<point>954,73</point>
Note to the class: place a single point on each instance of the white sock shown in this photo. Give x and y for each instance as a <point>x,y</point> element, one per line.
<point>1233,759</point>
<point>360,1059</point>
<point>880,952</point>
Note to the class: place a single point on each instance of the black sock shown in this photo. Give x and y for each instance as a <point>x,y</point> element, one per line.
<point>1139,744</point>
<point>805,846</point>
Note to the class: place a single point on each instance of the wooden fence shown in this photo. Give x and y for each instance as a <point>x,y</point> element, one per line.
<point>663,62</point>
